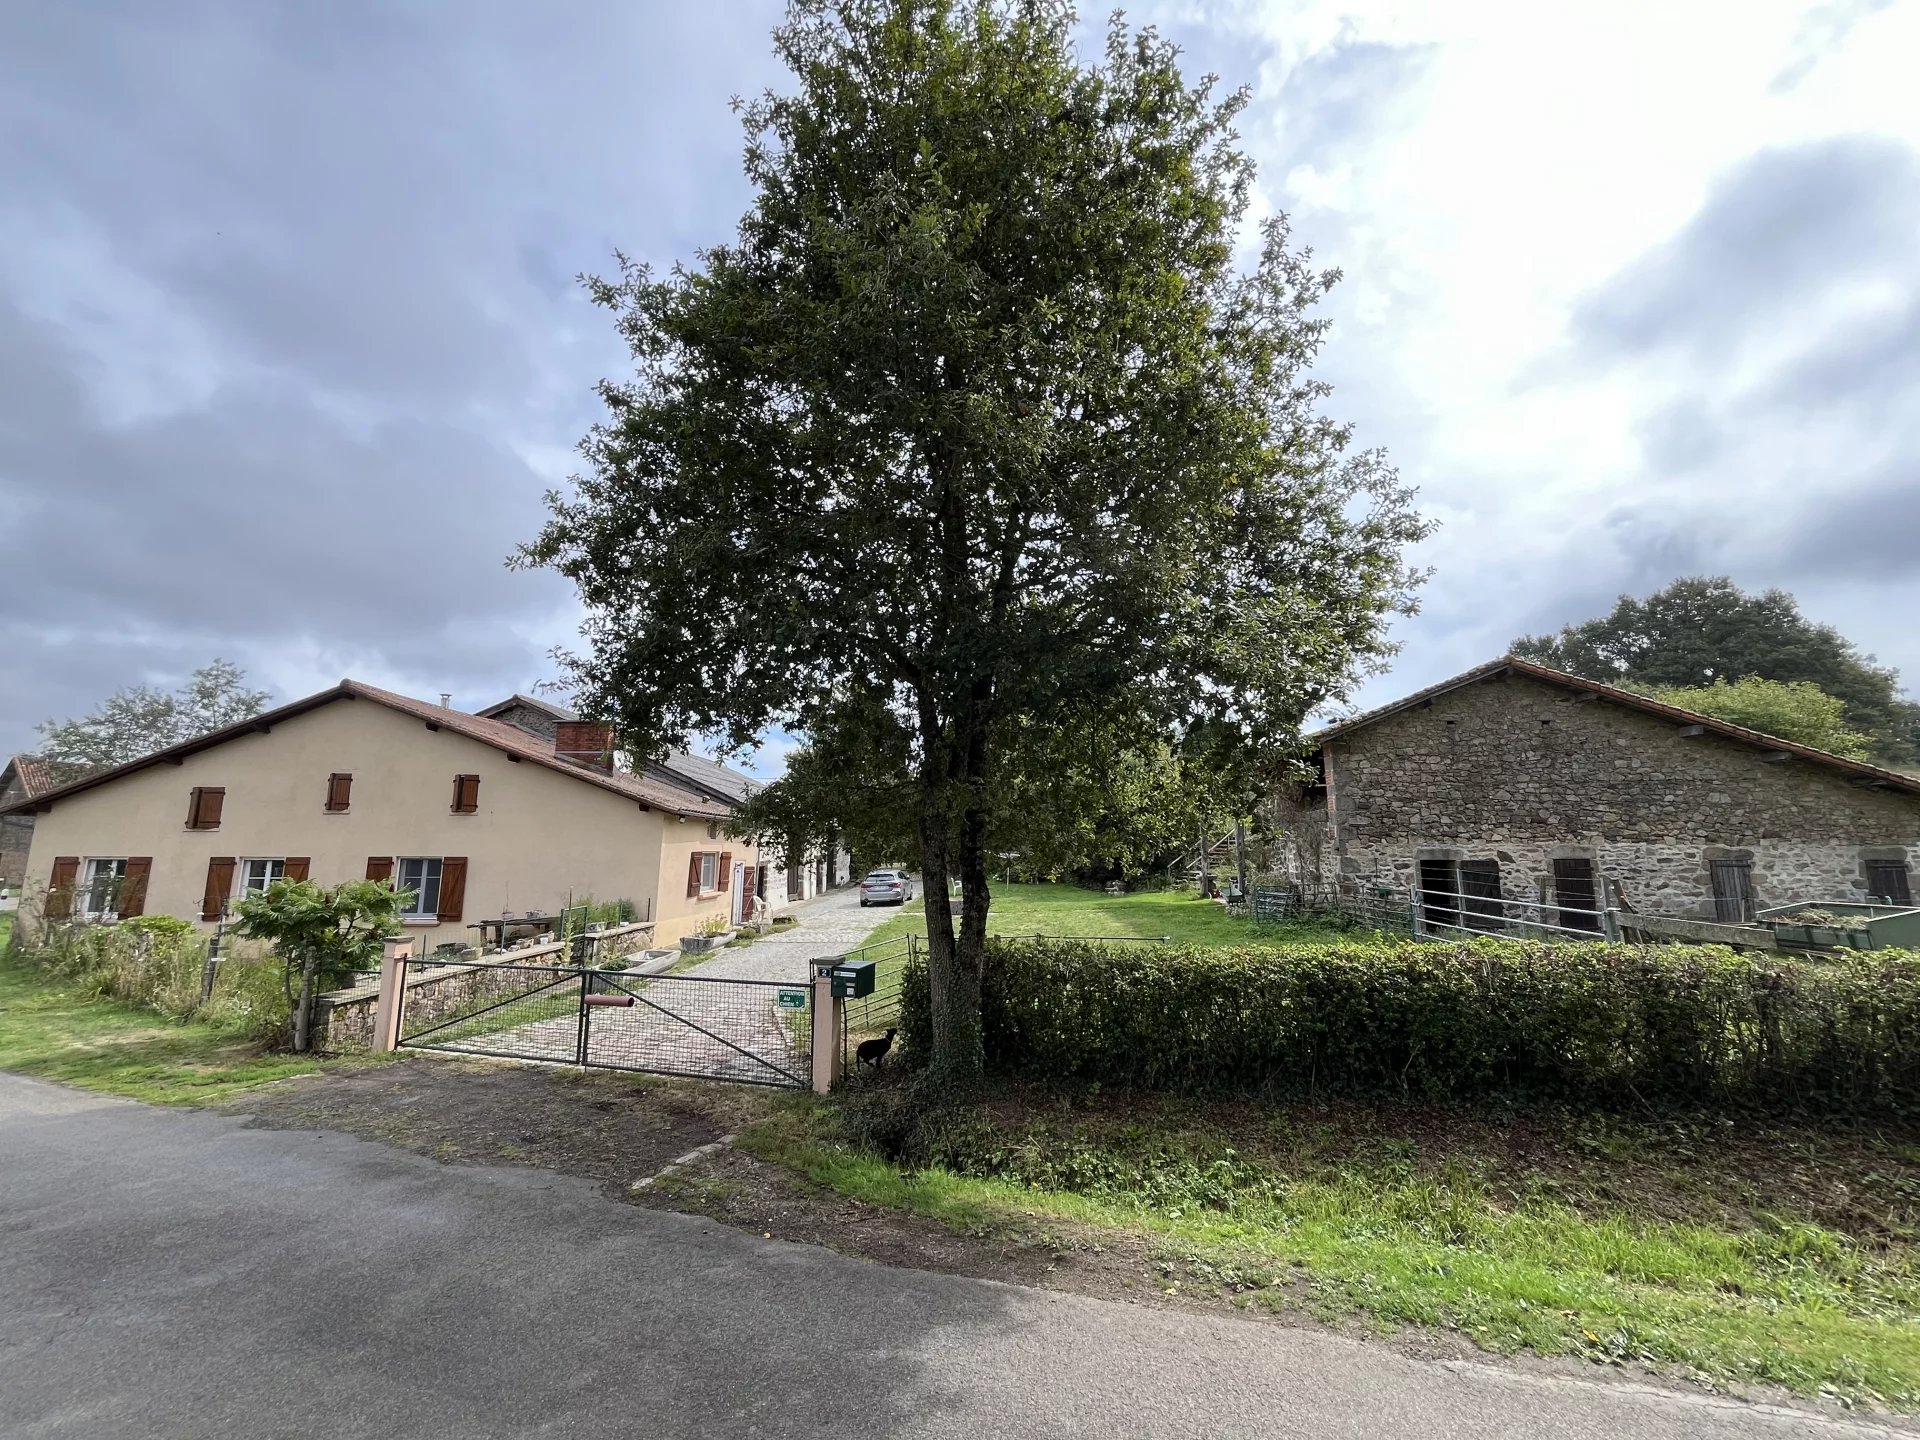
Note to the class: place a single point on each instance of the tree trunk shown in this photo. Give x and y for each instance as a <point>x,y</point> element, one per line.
<point>303,1009</point>
<point>953,983</point>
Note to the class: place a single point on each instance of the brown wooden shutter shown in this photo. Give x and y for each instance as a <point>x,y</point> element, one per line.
<point>466,794</point>
<point>726,869</point>
<point>380,867</point>
<point>339,792</point>
<point>204,806</point>
<point>453,886</point>
<point>295,868</point>
<point>693,877</point>
<point>133,889</point>
<point>66,869</point>
<point>219,887</point>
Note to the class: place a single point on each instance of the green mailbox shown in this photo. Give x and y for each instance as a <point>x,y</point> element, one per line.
<point>852,980</point>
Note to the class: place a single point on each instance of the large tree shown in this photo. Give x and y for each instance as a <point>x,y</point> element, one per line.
<point>980,419</point>
<point>1705,629</point>
<point>138,720</point>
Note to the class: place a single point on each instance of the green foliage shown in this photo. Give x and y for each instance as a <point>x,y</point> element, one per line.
<point>156,963</point>
<point>138,720</point>
<point>338,929</point>
<point>1705,629</point>
<point>979,420</point>
<point>1593,1023</point>
<point>1795,710</point>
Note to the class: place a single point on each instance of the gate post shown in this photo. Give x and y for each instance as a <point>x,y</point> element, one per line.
<point>827,1026</point>
<point>393,994</point>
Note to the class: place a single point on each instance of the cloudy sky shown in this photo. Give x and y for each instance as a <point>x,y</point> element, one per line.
<point>290,344</point>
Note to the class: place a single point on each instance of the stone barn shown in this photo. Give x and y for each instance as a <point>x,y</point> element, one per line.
<point>1516,782</point>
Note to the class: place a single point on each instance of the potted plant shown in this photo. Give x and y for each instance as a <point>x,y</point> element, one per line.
<point>712,934</point>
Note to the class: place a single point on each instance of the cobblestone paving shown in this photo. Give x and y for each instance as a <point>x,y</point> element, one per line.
<point>829,925</point>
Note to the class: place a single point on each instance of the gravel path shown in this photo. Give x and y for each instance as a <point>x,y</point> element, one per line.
<point>829,925</point>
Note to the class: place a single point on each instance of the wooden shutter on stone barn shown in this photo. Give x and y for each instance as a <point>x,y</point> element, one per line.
<point>453,887</point>
<point>296,867</point>
<point>219,886</point>
<point>66,869</point>
<point>693,877</point>
<point>380,867</point>
<point>1888,880</point>
<point>133,888</point>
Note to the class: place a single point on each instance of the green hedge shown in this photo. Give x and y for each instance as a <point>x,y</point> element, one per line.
<point>1595,1023</point>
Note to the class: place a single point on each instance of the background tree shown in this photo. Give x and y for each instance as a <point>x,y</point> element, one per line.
<point>978,419</point>
<point>1705,629</point>
<point>322,934</point>
<point>1797,710</point>
<point>139,720</point>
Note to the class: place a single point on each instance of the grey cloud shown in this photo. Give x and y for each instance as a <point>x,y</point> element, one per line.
<point>348,233</point>
<point>1821,31</point>
<point>1777,234</point>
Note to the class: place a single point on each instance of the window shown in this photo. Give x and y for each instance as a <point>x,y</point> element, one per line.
<point>204,805</point>
<point>1575,893</point>
<point>709,871</point>
<point>1439,900</point>
<point>100,894</point>
<point>1732,890</point>
<point>466,794</point>
<point>1888,880</point>
<point>1480,885</point>
<point>258,874</point>
<point>339,792</point>
<point>422,877</point>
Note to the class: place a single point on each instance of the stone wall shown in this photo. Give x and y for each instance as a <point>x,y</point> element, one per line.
<point>1524,773</point>
<point>16,836</point>
<point>344,1018</point>
<point>530,718</point>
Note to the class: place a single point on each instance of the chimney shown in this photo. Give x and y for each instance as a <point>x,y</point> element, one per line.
<point>446,700</point>
<point>588,743</point>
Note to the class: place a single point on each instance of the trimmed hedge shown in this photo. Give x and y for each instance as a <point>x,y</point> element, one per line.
<point>1593,1023</point>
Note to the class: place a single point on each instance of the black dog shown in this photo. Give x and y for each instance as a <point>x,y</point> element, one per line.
<point>872,1052</point>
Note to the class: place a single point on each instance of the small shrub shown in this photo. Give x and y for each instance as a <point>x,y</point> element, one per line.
<point>1593,1023</point>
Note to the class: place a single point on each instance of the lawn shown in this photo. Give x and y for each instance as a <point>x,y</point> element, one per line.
<point>1732,1251</point>
<point>1180,916</point>
<point>54,1033</point>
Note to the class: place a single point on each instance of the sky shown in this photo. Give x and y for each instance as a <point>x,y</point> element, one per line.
<point>291,343</point>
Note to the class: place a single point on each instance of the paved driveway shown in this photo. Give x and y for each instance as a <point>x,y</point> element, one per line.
<point>174,1274</point>
<point>829,925</point>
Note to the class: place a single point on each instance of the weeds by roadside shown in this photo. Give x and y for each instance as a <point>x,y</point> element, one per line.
<point>1782,1254</point>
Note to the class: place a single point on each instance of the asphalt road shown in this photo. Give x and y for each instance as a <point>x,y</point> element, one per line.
<point>170,1273</point>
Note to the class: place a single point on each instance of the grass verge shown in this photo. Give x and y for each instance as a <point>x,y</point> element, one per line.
<point>54,1033</point>
<point>1779,1256</point>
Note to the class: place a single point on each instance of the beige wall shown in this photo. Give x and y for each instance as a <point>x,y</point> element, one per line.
<point>538,834</point>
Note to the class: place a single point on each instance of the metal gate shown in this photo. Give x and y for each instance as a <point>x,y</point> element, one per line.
<point>757,1032</point>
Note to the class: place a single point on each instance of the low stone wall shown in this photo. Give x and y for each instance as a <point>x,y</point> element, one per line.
<point>344,1019</point>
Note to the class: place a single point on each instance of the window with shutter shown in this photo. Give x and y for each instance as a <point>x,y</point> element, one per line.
<point>213,900</point>
<point>204,805</point>
<point>466,794</point>
<point>296,867</point>
<point>66,869</point>
<point>693,876</point>
<point>726,869</point>
<point>339,792</point>
<point>380,867</point>
<point>133,886</point>
<point>453,888</point>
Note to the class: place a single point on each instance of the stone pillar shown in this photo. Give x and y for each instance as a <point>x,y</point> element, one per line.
<point>827,1059</point>
<point>393,994</point>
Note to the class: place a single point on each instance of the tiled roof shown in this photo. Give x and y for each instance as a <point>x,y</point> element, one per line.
<point>1508,664</point>
<point>500,735</point>
<point>709,775</point>
<point>34,774</point>
<point>558,712</point>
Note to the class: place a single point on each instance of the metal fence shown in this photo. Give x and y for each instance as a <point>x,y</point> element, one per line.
<point>1424,913</point>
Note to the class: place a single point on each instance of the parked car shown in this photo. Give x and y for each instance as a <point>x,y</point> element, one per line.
<point>886,887</point>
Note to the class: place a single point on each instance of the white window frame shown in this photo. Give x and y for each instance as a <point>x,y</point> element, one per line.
<point>90,884</point>
<point>243,878</point>
<point>709,872</point>
<point>420,897</point>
